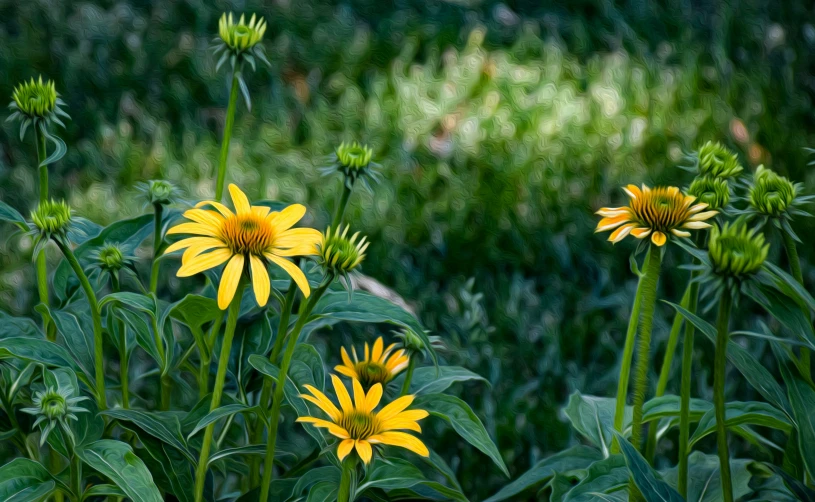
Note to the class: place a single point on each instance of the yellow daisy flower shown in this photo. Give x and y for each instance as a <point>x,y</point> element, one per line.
<point>249,238</point>
<point>655,212</point>
<point>358,426</point>
<point>379,366</point>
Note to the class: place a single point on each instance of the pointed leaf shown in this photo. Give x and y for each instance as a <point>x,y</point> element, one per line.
<point>116,461</point>
<point>650,484</point>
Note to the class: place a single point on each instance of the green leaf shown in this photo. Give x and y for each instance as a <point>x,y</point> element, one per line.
<point>75,340</point>
<point>41,351</point>
<point>786,312</point>
<point>464,421</point>
<point>159,425</point>
<point>171,470</point>
<point>324,491</point>
<point>578,457</point>
<point>11,215</point>
<point>787,284</point>
<point>593,417</point>
<point>431,380</point>
<point>103,491</point>
<point>135,301</point>
<point>219,413</point>
<point>602,477</point>
<point>250,449</point>
<point>116,461</point>
<point>650,484</point>
<point>802,399</point>
<point>136,324</point>
<point>24,480</point>
<point>11,327</point>
<point>704,478</point>
<point>307,367</point>
<point>740,413</point>
<point>390,475</point>
<point>59,146</point>
<point>668,407</point>
<point>313,476</point>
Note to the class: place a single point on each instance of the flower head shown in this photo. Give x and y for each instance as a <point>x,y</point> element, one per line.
<point>771,194</point>
<point>52,218</point>
<point>359,426</point>
<point>36,102</point>
<point>736,251</point>
<point>378,366</point>
<point>55,406</point>
<point>717,161</point>
<point>238,42</point>
<point>656,212</point>
<point>251,238</point>
<point>715,192</point>
<point>354,161</point>
<point>111,258</point>
<point>159,192</point>
<point>339,254</point>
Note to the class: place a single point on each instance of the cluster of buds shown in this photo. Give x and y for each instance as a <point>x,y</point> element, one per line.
<point>55,406</point>
<point>354,162</point>
<point>238,42</point>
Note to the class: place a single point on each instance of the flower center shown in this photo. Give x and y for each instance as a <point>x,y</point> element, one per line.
<point>247,234</point>
<point>359,425</point>
<point>371,373</point>
<point>660,210</point>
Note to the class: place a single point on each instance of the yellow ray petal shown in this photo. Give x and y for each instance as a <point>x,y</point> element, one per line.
<point>190,241</point>
<point>376,355</point>
<point>345,359</point>
<point>204,217</point>
<point>295,237</point>
<point>197,249</point>
<point>229,281</point>
<point>641,233</point>
<point>403,440</point>
<point>239,200</point>
<point>367,352</point>
<point>342,395</point>
<point>611,212</point>
<point>373,398</point>
<point>364,450</point>
<point>680,233</point>
<point>325,404</point>
<point>696,225</point>
<point>620,234</point>
<point>388,350</point>
<point>294,271</point>
<point>346,445</point>
<point>395,407</point>
<point>400,424</point>
<point>317,402</point>
<point>261,211</point>
<point>286,218</point>
<point>658,238</point>
<point>703,216</point>
<point>333,428</point>
<point>260,280</point>
<point>411,415</point>
<point>609,223</point>
<point>194,228</point>
<point>359,394</point>
<point>345,370</point>
<point>204,262</point>
<point>217,205</point>
<point>633,191</point>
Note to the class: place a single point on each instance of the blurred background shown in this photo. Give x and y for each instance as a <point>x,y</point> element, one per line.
<point>501,127</point>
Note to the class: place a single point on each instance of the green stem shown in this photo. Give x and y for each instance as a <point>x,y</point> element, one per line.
<point>230,121</point>
<point>42,265</point>
<point>795,269</point>
<point>408,375</point>
<point>123,357</point>
<point>217,391</point>
<point>99,360</point>
<point>166,383</point>
<point>719,367</point>
<point>205,354</point>
<point>341,205</point>
<point>277,403</point>
<point>684,394</point>
<point>649,298</point>
<point>665,372</point>
<point>75,471</point>
<point>43,170</point>
<point>348,478</point>
<point>157,242</point>
<point>266,391</point>
<point>628,357</point>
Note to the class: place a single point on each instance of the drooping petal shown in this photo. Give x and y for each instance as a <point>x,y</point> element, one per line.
<point>294,271</point>
<point>609,223</point>
<point>641,233</point>
<point>364,450</point>
<point>703,216</point>
<point>229,281</point>
<point>611,212</point>
<point>297,237</point>
<point>411,415</point>
<point>342,395</point>
<point>204,262</point>
<point>696,225</point>
<point>658,238</point>
<point>620,234</point>
<point>400,424</point>
<point>286,218</point>
<point>260,280</point>
<point>239,200</point>
<point>197,249</point>
<point>346,445</point>
<point>680,233</point>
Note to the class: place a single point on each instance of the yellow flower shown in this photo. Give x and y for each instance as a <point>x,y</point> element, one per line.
<point>379,366</point>
<point>655,212</point>
<point>251,236</point>
<point>358,426</point>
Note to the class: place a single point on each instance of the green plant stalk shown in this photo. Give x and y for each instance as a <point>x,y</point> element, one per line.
<point>665,372</point>
<point>685,391</point>
<point>218,389</point>
<point>277,403</point>
<point>157,242</point>
<point>341,205</point>
<point>266,391</point>
<point>123,358</point>
<point>628,357</point>
<point>76,475</point>
<point>230,122</point>
<point>99,360</point>
<point>649,298</point>
<point>719,368</point>
<point>166,382</point>
<point>347,478</point>
<point>42,264</point>
<point>206,357</point>
<point>408,375</point>
<point>795,269</point>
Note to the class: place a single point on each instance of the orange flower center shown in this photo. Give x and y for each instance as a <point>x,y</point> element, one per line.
<point>661,209</point>
<point>359,425</point>
<point>247,234</point>
<point>371,373</point>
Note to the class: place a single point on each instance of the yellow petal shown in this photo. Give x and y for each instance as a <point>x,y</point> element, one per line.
<point>342,395</point>
<point>294,271</point>
<point>260,280</point>
<point>346,445</point>
<point>373,398</point>
<point>400,424</point>
<point>620,234</point>
<point>345,359</point>
<point>658,238</point>
<point>641,233</point>
<point>633,191</point>
<point>611,212</point>
<point>403,440</point>
<point>696,225</point>
<point>325,404</point>
<point>239,200</point>
<point>204,217</point>
<point>333,428</point>
<point>359,394</point>
<point>194,228</point>
<point>609,223</point>
<point>204,262</point>
<point>217,205</point>
<point>345,370</point>
<point>229,281</point>
<point>197,249</point>
<point>261,211</point>
<point>364,450</point>
<point>395,407</point>
<point>411,415</point>
<point>376,355</point>
<point>680,233</point>
<point>703,216</point>
<point>185,243</point>
<point>286,218</point>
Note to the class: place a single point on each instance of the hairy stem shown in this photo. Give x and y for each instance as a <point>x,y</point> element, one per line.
<point>348,478</point>
<point>719,368</point>
<point>218,389</point>
<point>408,375</point>
<point>277,402</point>
<point>99,360</point>
<point>230,121</point>
<point>157,242</point>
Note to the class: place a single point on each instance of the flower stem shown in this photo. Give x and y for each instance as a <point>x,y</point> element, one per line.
<point>665,372</point>
<point>157,242</point>
<point>76,475</point>
<point>206,356</point>
<point>217,391</point>
<point>408,375</point>
<point>166,386</point>
<point>628,357</point>
<point>277,402</point>
<point>99,360</point>
<point>795,269</point>
<point>341,205</point>
<point>348,478</point>
<point>42,265</point>
<point>123,356</point>
<point>230,121</point>
<point>649,298</point>
<point>719,367</point>
<point>684,394</point>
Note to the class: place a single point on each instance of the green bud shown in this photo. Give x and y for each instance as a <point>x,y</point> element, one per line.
<point>35,99</point>
<point>717,161</point>
<point>52,217</point>
<point>715,192</point>
<point>354,155</point>
<point>241,36</point>
<point>55,406</point>
<point>159,192</point>
<point>339,254</point>
<point>770,193</point>
<point>411,341</point>
<point>736,251</point>
<point>354,161</point>
<point>110,257</point>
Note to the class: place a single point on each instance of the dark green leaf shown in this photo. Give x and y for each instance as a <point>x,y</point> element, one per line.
<point>704,478</point>
<point>741,413</point>
<point>76,340</point>
<point>802,399</point>
<point>24,480</point>
<point>160,425</point>
<point>219,413</point>
<point>41,351</point>
<point>11,215</point>
<point>11,327</point>
<point>116,461</point>
<point>175,472</point>
<point>431,380</point>
<point>593,417</point>
<point>650,484</point>
<point>668,407</point>
<point>602,477</point>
